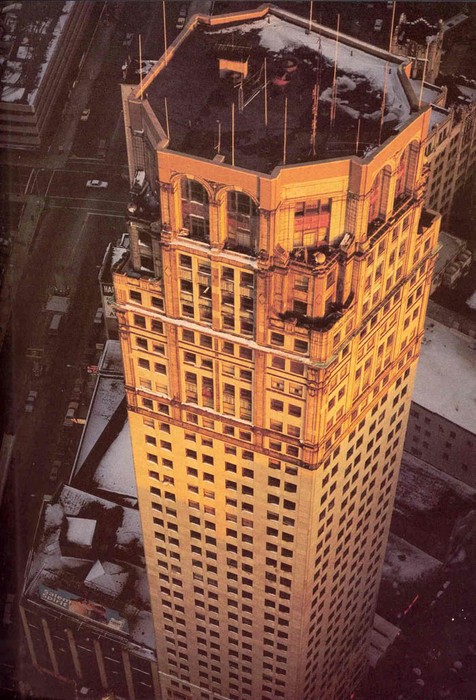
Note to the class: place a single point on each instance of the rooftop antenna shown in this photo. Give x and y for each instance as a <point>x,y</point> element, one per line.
<point>167,118</point>
<point>140,66</point>
<point>357,138</point>
<point>308,31</point>
<point>233,133</point>
<point>240,95</point>
<point>165,31</point>
<point>384,96</point>
<point>218,146</point>
<point>334,78</point>
<point>265,95</point>
<point>285,129</point>
<point>424,73</point>
<point>315,107</point>
<point>392,25</point>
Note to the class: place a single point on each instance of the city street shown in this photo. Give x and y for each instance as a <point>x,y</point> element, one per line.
<point>63,230</point>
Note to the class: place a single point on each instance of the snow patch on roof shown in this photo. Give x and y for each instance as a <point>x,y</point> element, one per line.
<point>423,488</point>
<point>278,36</point>
<point>437,115</point>
<point>109,393</point>
<point>81,531</point>
<point>404,562</point>
<point>445,381</point>
<point>115,473</point>
<point>107,577</point>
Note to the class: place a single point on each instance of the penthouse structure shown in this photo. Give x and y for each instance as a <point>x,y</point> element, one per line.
<point>422,42</point>
<point>270,315</point>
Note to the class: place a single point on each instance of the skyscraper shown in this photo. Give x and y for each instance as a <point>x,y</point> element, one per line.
<point>270,318</point>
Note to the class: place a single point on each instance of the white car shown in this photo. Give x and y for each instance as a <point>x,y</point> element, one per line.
<point>30,401</point>
<point>98,317</point>
<point>378,25</point>
<point>97,184</point>
<point>182,18</point>
<point>85,114</point>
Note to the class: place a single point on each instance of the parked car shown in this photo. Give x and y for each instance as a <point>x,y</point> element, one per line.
<point>182,18</point>
<point>30,401</point>
<point>70,414</point>
<point>85,114</point>
<point>99,315</point>
<point>97,184</point>
<point>378,25</point>
<point>7,611</point>
<point>128,40</point>
<point>54,470</point>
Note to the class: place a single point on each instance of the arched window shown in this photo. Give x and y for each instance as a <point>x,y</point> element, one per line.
<point>242,221</point>
<point>312,219</point>
<point>401,174</point>
<point>195,210</point>
<point>374,198</point>
<point>412,165</point>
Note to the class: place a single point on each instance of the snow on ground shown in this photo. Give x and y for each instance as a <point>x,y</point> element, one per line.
<point>446,379</point>
<point>403,562</point>
<point>421,487</point>
<point>277,36</point>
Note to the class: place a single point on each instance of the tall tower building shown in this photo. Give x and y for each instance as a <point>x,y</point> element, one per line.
<point>270,318</point>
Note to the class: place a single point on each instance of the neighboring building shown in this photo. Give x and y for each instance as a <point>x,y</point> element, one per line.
<point>270,321</point>
<point>422,42</point>
<point>85,606</point>
<point>453,261</point>
<point>442,425</point>
<point>450,148</point>
<point>40,42</point>
<point>112,257</point>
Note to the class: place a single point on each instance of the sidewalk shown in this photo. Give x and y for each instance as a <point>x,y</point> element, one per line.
<point>18,258</point>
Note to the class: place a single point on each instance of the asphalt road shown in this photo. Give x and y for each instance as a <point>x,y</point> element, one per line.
<point>78,241</point>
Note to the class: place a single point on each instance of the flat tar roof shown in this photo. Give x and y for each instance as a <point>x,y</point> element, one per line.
<point>199,101</point>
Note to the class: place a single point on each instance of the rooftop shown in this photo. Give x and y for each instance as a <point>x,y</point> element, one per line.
<point>419,30</point>
<point>450,246</point>
<point>437,115</point>
<point>104,460</point>
<point>32,31</point>
<point>447,360</point>
<point>200,95</point>
<point>105,581</point>
<point>430,93</point>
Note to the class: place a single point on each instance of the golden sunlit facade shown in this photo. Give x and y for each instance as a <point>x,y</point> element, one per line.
<point>270,328</point>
